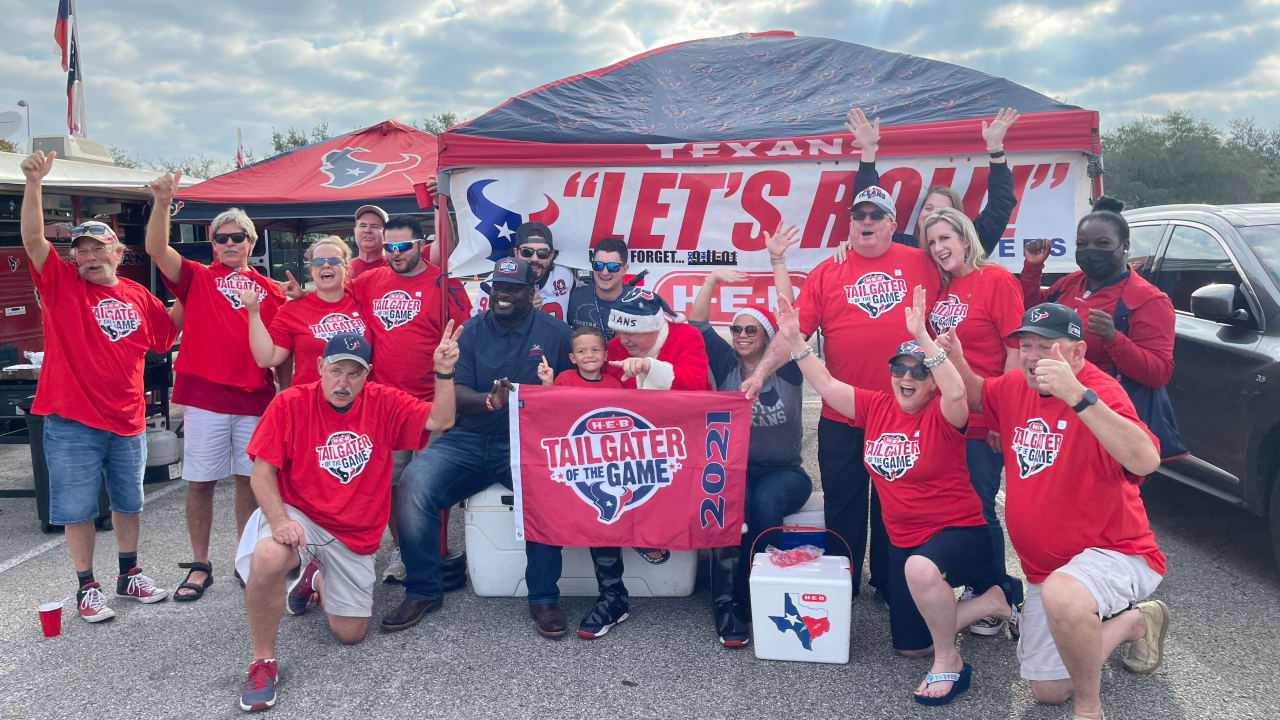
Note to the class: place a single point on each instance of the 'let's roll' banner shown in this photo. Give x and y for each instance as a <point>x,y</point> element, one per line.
<point>649,468</point>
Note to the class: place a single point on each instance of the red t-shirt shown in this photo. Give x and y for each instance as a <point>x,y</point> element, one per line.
<point>359,266</point>
<point>303,326</point>
<point>571,378</point>
<point>336,466</point>
<point>96,338</point>
<point>1063,491</point>
<point>403,314</point>
<point>917,463</point>
<point>215,328</point>
<point>859,306</point>
<point>683,348</point>
<point>984,307</point>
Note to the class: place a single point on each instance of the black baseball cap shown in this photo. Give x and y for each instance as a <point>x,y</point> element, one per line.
<point>511,270</point>
<point>1051,320</point>
<point>909,348</point>
<point>533,232</point>
<point>348,346</point>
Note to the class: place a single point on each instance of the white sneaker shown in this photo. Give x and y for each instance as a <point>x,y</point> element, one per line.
<point>395,571</point>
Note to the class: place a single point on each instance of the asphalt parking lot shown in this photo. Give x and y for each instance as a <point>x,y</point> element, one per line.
<point>479,657</point>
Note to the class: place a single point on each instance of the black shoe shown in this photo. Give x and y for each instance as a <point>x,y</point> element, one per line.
<point>410,613</point>
<point>548,620</point>
<point>733,624</point>
<point>609,610</point>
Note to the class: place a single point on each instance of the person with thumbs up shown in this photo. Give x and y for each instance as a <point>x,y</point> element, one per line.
<point>1074,455</point>
<point>222,389</point>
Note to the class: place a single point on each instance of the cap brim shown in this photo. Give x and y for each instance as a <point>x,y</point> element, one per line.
<point>1042,332</point>
<point>103,240</point>
<point>346,356</point>
<point>902,355</point>
<point>373,209</point>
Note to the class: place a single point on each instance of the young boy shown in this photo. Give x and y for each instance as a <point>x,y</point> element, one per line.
<point>587,353</point>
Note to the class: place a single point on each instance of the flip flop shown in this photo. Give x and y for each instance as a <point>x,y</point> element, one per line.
<point>197,589</point>
<point>647,553</point>
<point>959,683</point>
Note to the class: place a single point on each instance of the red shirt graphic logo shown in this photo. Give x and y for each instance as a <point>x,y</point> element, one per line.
<point>116,319</point>
<point>1035,447</point>
<point>876,292</point>
<point>891,455</point>
<point>335,323</point>
<point>233,284</point>
<point>947,313</point>
<point>396,308</point>
<point>345,454</point>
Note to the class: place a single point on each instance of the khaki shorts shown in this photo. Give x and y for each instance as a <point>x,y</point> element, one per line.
<point>1115,580</point>
<point>348,576</point>
<point>214,444</point>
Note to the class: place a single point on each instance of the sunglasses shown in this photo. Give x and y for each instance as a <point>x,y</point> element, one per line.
<point>235,237</point>
<point>403,246</point>
<point>542,253</point>
<point>864,214</point>
<point>601,266</point>
<point>739,329</point>
<point>322,261</point>
<point>899,370</point>
<point>92,231</point>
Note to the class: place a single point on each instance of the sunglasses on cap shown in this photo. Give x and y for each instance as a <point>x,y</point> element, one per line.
<point>542,253</point>
<point>748,329</point>
<point>601,266</point>
<point>402,246</point>
<point>900,370</point>
<point>235,237</point>
<point>322,261</point>
<point>864,214</point>
<point>95,230</point>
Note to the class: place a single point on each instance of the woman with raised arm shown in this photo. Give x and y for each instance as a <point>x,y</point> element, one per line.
<point>990,223</point>
<point>915,453</point>
<point>776,483</point>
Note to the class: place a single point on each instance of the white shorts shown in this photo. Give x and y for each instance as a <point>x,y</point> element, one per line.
<point>1116,582</point>
<point>214,444</point>
<point>348,576</point>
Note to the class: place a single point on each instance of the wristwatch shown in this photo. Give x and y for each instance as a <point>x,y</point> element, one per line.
<point>1089,399</point>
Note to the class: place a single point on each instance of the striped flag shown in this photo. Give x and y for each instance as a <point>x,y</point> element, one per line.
<point>239,150</point>
<point>60,31</point>
<point>67,34</point>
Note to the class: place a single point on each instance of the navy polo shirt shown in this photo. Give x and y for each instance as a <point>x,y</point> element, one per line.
<point>487,350</point>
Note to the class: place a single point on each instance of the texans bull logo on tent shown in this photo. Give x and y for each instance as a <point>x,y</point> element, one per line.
<point>344,170</point>
<point>498,224</point>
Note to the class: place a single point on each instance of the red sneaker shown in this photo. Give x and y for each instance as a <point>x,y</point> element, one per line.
<point>92,604</point>
<point>134,584</point>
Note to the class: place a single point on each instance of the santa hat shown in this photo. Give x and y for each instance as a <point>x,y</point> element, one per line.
<point>640,310</point>
<point>762,316</point>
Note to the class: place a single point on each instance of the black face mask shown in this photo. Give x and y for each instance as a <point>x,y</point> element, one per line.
<point>1098,264</point>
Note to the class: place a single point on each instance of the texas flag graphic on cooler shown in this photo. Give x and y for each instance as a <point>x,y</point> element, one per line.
<point>808,623</point>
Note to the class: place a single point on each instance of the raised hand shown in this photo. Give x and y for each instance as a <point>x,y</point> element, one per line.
<point>249,299</point>
<point>545,372</point>
<point>1055,377</point>
<point>866,134</point>
<point>1102,324</point>
<point>36,165</point>
<point>729,276</point>
<point>993,134</point>
<point>446,353</point>
<point>632,366</point>
<point>781,239</point>
<point>916,314</point>
<point>165,187</point>
<point>788,324</point>
<point>1036,251</point>
<point>432,187</point>
<point>949,342</point>
<point>291,288</point>
<point>537,301</point>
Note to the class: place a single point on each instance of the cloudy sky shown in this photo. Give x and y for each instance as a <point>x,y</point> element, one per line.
<point>166,79</point>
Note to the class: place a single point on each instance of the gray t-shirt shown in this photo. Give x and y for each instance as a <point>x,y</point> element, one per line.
<point>776,428</point>
<point>587,309</point>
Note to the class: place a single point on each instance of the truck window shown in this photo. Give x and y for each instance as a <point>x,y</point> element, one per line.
<point>1194,258</point>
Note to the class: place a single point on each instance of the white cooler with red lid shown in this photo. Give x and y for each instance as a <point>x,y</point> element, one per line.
<point>801,612</point>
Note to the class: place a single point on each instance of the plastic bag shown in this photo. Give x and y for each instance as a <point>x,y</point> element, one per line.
<point>794,556</point>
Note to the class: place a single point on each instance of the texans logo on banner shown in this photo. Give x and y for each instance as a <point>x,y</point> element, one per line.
<point>876,292</point>
<point>808,623</point>
<point>396,308</point>
<point>498,224</point>
<point>116,319</point>
<point>345,454</point>
<point>947,313</point>
<point>335,323</point>
<point>231,285</point>
<point>615,460</point>
<point>344,170</point>
<point>1035,447</point>
<point>891,455</point>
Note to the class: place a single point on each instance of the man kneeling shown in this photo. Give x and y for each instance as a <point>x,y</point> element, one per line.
<point>322,477</point>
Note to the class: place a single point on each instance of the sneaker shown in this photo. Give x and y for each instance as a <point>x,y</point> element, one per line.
<point>259,691</point>
<point>987,626</point>
<point>1146,652</point>
<point>609,610</point>
<point>395,571</point>
<point>302,594</point>
<point>93,604</point>
<point>134,584</point>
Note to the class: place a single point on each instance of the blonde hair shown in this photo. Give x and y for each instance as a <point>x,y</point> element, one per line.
<point>344,252</point>
<point>237,216</point>
<point>962,225</point>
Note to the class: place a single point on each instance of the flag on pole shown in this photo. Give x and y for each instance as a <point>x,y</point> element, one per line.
<point>66,33</point>
<point>239,150</point>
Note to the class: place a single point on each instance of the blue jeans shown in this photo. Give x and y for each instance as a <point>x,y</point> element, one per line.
<point>80,458</point>
<point>773,492</point>
<point>984,475</point>
<point>456,466</point>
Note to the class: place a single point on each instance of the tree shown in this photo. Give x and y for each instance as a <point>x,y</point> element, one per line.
<point>1178,158</point>
<point>6,146</point>
<point>438,123</point>
<point>122,158</point>
<point>293,139</point>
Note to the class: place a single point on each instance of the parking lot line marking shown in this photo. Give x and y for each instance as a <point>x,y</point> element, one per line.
<point>51,544</point>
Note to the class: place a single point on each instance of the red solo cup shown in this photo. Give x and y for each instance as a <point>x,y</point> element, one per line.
<point>51,618</point>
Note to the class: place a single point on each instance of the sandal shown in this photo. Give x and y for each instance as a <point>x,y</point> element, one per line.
<point>959,683</point>
<point>197,589</point>
<point>647,554</point>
